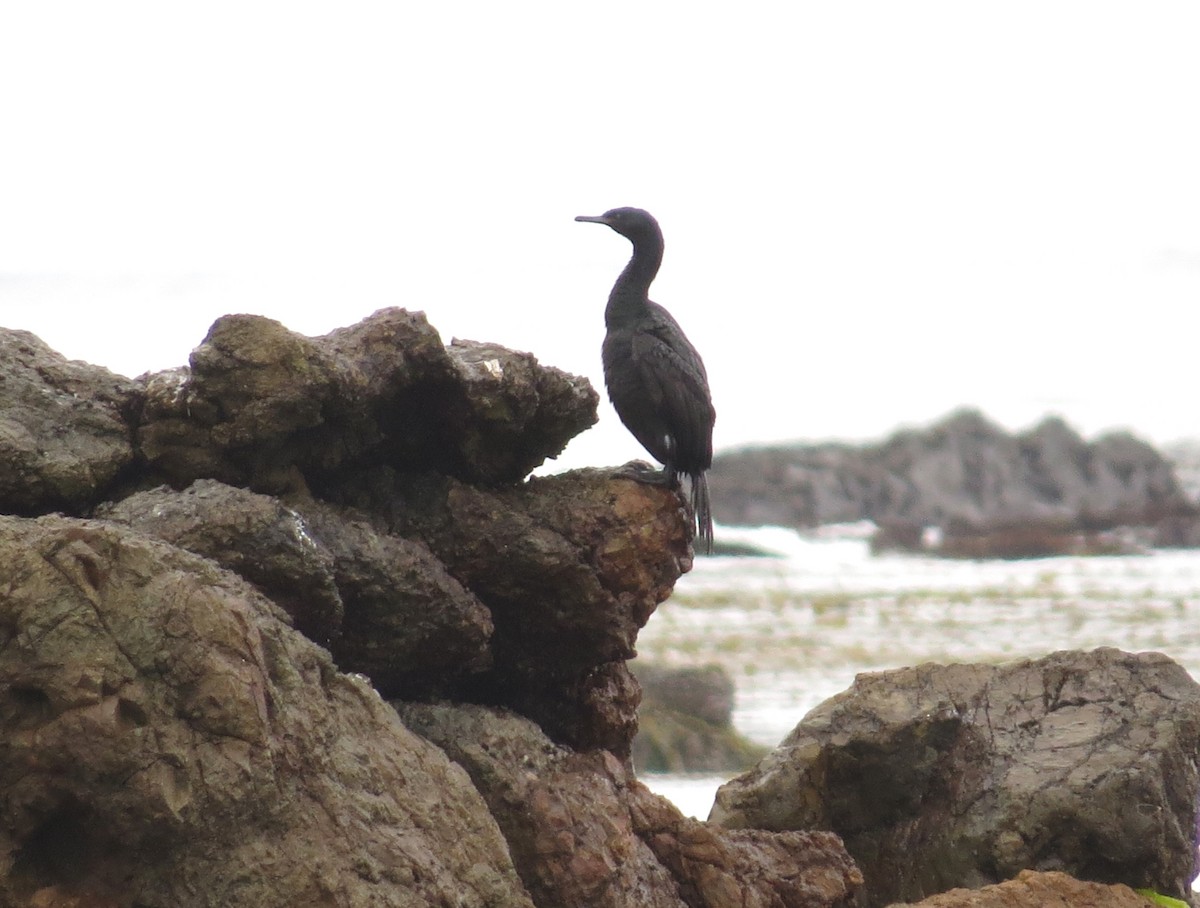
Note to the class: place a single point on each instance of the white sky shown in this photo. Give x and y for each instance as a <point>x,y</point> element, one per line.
<point>874,212</point>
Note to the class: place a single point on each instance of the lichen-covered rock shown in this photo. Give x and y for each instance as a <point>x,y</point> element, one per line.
<point>64,435</point>
<point>584,832</point>
<point>266,408</point>
<point>963,775</point>
<point>169,741</point>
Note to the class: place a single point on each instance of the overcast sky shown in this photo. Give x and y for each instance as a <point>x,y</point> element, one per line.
<point>874,212</point>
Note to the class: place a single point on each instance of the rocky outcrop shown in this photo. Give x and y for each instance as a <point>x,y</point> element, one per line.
<point>268,409</point>
<point>65,428</point>
<point>169,735</point>
<point>963,775</point>
<point>169,740</point>
<point>685,723</point>
<point>964,475</point>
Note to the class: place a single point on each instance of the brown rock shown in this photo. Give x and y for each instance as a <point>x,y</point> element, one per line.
<point>250,534</point>
<point>384,605</point>
<point>963,775</point>
<point>64,438</point>
<point>1036,890</point>
<point>570,567</point>
<point>413,629</point>
<point>169,741</point>
<point>583,832</point>
<point>270,409</point>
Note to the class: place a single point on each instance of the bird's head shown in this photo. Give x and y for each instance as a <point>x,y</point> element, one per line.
<point>632,223</point>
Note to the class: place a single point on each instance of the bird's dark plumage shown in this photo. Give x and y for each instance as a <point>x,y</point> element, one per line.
<point>656,379</point>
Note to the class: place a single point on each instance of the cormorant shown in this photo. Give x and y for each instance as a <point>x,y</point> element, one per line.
<point>655,378</point>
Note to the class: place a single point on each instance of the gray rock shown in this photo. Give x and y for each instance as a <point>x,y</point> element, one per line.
<point>962,775</point>
<point>64,436</point>
<point>963,473</point>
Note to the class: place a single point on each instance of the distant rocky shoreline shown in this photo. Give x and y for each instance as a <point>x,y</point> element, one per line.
<point>965,487</point>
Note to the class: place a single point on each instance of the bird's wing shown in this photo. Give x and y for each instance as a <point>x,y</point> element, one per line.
<point>677,387</point>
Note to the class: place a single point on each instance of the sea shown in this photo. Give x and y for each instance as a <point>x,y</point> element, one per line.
<point>795,627</point>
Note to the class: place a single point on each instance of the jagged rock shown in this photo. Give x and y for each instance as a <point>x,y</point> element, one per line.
<point>250,534</point>
<point>584,832</point>
<point>272,410</point>
<point>962,775</point>
<point>570,567</point>
<point>1036,890</point>
<point>963,472</point>
<point>169,741</point>
<point>64,436</point>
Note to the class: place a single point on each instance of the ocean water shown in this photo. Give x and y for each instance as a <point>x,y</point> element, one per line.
<point>795,629</point>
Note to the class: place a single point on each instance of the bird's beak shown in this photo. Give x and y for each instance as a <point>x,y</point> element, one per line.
<point>592,218</point>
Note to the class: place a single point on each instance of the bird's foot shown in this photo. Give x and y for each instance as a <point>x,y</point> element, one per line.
<point>647,474</point>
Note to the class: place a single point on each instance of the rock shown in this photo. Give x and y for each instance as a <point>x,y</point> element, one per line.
<point>584,832</point>
<point>1179,531</point>
<point>706,692</point>
<point>963,775</point>
<point>169,737</point>
<point>169,741</point>
<point>963,472</point>
<point>384,605</point>
<point>570,568</point>
<point>252,535</point>
<point>410,626</point>
<point>1036,890</point>
<point>272,410</point>
<point>64,435</point>
<point>1035,539</point>
<point>674,742</point>
<point>685,722</point>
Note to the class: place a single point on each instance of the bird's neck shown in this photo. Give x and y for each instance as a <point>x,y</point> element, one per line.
<point>630,295</point>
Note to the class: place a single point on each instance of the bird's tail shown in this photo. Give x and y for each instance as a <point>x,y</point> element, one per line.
<point>703,512</point>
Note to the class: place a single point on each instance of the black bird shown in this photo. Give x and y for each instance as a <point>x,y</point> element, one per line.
<point>655,378</point>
